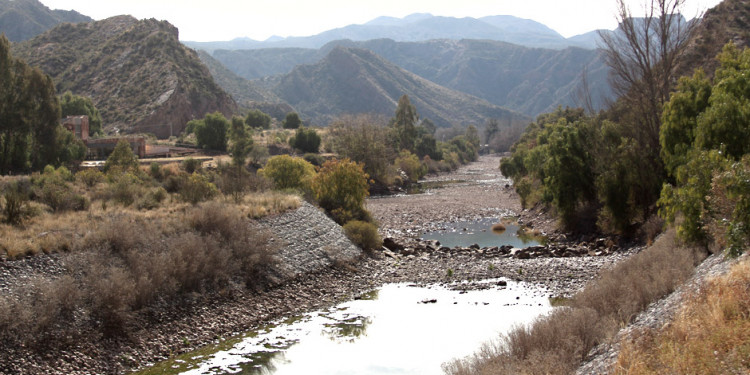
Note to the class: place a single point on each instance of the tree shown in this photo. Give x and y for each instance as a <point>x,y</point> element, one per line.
<point>242,144</point>
<point>74,105</point>
<point>492,127</point>
<point>122,158</point>
<point>404,124</point>
<point>341,188</point>
<point>292,121</point>
<point>258,120</point>
<point>29,116</point>
<point>364,139</point>
<point>642,57</point>
<point>306,140</point>
<point>288,172</point>
<point>211,132</point>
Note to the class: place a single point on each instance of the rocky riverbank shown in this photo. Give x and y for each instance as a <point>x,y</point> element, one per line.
<point>319,268</point>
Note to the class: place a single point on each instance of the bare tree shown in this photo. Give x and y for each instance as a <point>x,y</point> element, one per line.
<point>642,56</point>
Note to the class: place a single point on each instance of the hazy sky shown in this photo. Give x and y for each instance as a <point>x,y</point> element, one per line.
<point>210,20</point>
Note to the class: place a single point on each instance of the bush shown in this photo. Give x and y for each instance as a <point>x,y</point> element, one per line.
<point>306,140</point>
<point>410,164</point>
<point>289,172</point>
<point>197,188</point>
<point>122,157</point>
<point>341,188</point>
<point>363,234</point>
<point>125,189</point>
<point>52,188</point>
<point>191,165</point>
<point>16,203</point>
<point>292,121</point>
<point>90,177</point>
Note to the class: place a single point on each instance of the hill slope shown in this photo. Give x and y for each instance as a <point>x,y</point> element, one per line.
<point>140,77</point>
<point>350,80</point>
<point>24,19</point>
<point>527,80</point>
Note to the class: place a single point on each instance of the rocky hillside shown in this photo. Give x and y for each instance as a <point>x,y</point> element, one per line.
<point>350,80</point>
<point>24,19</point>
<point>140,77</point>
<point>728,21</point>
<point>527,80</point>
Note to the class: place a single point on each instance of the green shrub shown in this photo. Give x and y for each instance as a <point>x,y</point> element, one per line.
<point>156,172</point>
<point>306,140</point>
<point>52,188</point>
<point>197,189</point>
<point>410,164</point>
<point>363,234</point>
<point>90,177</point>
<point>122,157</point>
<point>125,189</point>
<point>314,159</point>
<point>341,188</point>
<point>16,203</point>
<point>288,172</point>
<point>191,165</point>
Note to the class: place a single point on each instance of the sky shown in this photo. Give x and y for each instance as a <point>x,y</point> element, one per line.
<point>217,20</point>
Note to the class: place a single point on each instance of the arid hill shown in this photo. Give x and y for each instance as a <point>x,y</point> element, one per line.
<point>24,19</point>
<point>140,77</point>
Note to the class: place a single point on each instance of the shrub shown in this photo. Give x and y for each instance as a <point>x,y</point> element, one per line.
<point>314,159</point>
<point>410,164</point>
<point>90,177</point>
<point>306,140</point>
<point>197,188</point>
<point>155,171</point>
<point>16,203</point>
<point>52,188</point>
<point>289,172</point>
<point>341,188</point>
<point>125,189</point>
<point>122,157</point>
<point>191,165</point>
<point>363,234</point>
<point>292,121</point>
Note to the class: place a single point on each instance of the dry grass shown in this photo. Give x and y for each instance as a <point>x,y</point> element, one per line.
<point>558,343</point>
<point>132,262</point>
<point>710,335</point>
<point>267,203</point>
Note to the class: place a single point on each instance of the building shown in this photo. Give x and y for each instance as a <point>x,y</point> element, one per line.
<point>78,125</point>
<point>100,148</point>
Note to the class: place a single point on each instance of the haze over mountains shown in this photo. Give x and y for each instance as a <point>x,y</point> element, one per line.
<point>421,27</point>
<point>21,20</point>
<point>456,71</point>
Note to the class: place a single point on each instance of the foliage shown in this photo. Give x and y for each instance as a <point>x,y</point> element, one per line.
<point>288,172</point>
<point>211,131</point>
<point>29,117</point>
<point>292,121</point>
<point>410,164</point>
<point>404,124</point>
<point>306,140</point>
<point>363,234</point>
<point>90,176</point>
<point>191,165</point>
<point>704,142</point>
<point>258,120</point>
<point>341,188</point>
<point>364,139</point>
<point>122,158</point>
<point>53,189</point>
<point>16,198</point>
<point>197,188</point>
<point>74,105</point>
<point>242,142</point>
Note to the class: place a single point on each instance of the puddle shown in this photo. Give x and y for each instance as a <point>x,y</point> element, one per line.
<point>480,232</point>
<point>397,329</point>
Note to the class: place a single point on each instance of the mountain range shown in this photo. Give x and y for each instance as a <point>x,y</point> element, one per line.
<point>421,27</point>
<point>24,19</point>
<point>526,80</point>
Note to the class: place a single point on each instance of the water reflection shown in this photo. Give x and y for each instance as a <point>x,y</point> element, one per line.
<point>386,332</point>
<point>485,233</point>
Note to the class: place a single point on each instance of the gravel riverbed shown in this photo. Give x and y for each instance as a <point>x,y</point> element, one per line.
<point>475,191</point>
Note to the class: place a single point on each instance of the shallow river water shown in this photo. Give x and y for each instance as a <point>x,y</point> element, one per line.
<point>397,329</point>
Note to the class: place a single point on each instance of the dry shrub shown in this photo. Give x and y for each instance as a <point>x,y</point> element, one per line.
<point>557,343</point>
<point>259,205</point>
<point>622,292</point>
<point>710,335</point>
<point>363,234</point>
